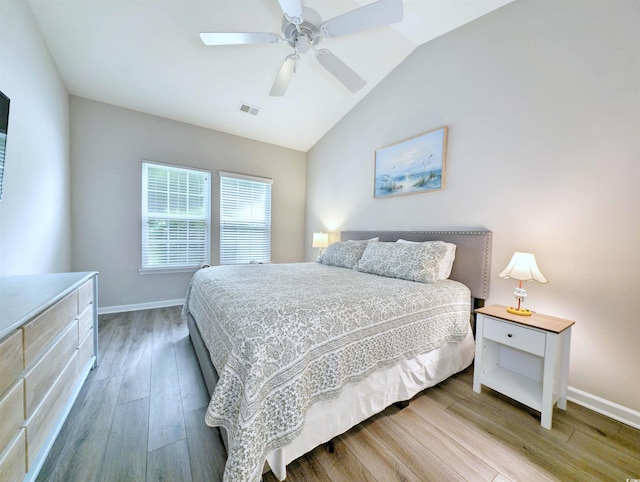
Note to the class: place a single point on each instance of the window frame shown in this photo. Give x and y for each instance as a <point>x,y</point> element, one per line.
<point>146,216</point>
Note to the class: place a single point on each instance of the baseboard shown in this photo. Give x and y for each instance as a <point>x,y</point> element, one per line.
<point>605,407</point>
<point>105,310</point>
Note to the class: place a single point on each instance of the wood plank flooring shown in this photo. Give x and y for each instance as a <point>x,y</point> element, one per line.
<point>140,416</point>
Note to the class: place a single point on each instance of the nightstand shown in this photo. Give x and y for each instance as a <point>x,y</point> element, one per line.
<point>523,357</point>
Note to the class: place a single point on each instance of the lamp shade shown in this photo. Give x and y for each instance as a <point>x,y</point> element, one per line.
<point>320,240</point>
<point>523,267</point>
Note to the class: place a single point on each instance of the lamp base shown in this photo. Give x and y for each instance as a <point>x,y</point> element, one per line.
<point>521,312</point>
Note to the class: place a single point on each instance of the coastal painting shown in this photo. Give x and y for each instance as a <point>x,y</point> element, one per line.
<point>413,166</point>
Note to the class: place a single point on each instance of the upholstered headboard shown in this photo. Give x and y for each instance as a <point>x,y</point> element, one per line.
<point>473,253</point>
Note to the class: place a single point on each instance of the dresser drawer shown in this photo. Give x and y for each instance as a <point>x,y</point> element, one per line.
<point>86,349</point>
<point>12,460</point>
<point>39,379</point>
<point>85,296</point>
<point>11,413</point>
<point>85,323</point>
<point>11,361</point>
<point>525,339</point>
<point>40,332</point>
<point>46,416</point>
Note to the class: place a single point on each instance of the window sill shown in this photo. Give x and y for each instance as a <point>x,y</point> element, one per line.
<point>168,270</point>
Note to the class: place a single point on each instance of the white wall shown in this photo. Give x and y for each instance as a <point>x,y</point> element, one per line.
<point>542,101</point>
<point>108,146</point>
<point>35,223</point>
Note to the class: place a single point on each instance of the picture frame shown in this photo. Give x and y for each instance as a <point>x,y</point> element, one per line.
<point>412,166</point>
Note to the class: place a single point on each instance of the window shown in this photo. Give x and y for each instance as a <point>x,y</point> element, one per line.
<point>176,217</point>
<point>245,218</point>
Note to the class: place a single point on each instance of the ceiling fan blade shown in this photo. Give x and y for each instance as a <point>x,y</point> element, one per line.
<point>340,70</point>
<point>376,14</point>
<point>281,83</point>
<point>238,38</point>
<point>292,9</point>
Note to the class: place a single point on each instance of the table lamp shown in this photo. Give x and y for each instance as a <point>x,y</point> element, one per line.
<point>320,240</point>
<point>522,267</point>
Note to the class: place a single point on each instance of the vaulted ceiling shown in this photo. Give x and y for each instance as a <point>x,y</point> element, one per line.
<point>148,56</point>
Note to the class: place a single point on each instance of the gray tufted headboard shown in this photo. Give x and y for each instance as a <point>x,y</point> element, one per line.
<point>473,254</point>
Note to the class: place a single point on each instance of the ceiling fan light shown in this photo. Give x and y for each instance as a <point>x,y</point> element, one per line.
<point>302,44</point>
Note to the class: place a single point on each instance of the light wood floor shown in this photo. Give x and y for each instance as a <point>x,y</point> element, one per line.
<point>140,417</point>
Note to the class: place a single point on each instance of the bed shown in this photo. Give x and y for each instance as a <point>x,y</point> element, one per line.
<point>296,354</point>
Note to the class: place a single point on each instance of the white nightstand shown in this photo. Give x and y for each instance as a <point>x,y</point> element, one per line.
<point>523,357</point>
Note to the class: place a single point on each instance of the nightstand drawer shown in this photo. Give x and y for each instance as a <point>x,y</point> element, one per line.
<point>525,339</point>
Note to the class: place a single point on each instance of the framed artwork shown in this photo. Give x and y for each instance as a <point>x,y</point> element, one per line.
<point>413,166</point>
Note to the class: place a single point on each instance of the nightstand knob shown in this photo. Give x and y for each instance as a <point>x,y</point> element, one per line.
<point>509,335</point>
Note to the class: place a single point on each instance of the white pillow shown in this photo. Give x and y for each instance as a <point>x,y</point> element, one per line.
<point>445,265</point>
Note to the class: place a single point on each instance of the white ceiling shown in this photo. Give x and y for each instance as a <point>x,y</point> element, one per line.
<point>147,56</point>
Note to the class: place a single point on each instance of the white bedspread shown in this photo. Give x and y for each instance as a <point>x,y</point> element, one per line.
<point>283,337</point>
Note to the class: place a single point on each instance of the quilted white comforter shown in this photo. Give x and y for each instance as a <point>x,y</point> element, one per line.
<point>284,336</point>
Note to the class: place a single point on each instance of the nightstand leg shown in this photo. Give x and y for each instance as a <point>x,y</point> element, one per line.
<point>564,380</point>
<point>548,382</point>
<point>477,367</point>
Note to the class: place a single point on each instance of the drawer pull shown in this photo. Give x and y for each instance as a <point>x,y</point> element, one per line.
<point>509,335</point>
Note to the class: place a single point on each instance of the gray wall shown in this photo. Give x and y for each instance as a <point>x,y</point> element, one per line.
<point>35,220</point>
<point>542,101</point>
<point>108,146</point>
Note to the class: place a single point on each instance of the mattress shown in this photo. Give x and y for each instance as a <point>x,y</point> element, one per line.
<point>290,342</point>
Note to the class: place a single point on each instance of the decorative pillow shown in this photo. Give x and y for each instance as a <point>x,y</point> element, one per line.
<point>445,266</point>
<point>413,262</point>
<point>344,254</point>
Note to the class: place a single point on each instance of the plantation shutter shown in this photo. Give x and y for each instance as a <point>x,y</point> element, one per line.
<point>245,219</point>
<point>176,217</point>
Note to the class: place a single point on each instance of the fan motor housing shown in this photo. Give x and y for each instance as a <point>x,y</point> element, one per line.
<point>307,28</point>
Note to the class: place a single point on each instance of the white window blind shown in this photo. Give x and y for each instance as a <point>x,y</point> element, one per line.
<point>176,217</point>
<point>245,219</point>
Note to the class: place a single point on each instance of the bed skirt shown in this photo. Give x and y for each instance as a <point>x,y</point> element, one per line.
<point>358,401</point>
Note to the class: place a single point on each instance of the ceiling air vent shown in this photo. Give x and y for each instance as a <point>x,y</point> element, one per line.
<point>249,109</point>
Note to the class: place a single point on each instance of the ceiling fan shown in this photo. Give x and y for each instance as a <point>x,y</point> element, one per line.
<point>303,29</point>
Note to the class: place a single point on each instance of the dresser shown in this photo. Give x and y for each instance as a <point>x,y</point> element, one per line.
<point>48,345</point>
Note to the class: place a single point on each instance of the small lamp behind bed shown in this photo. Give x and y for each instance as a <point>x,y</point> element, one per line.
<point>522,267</point>
<point>320,240</point>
